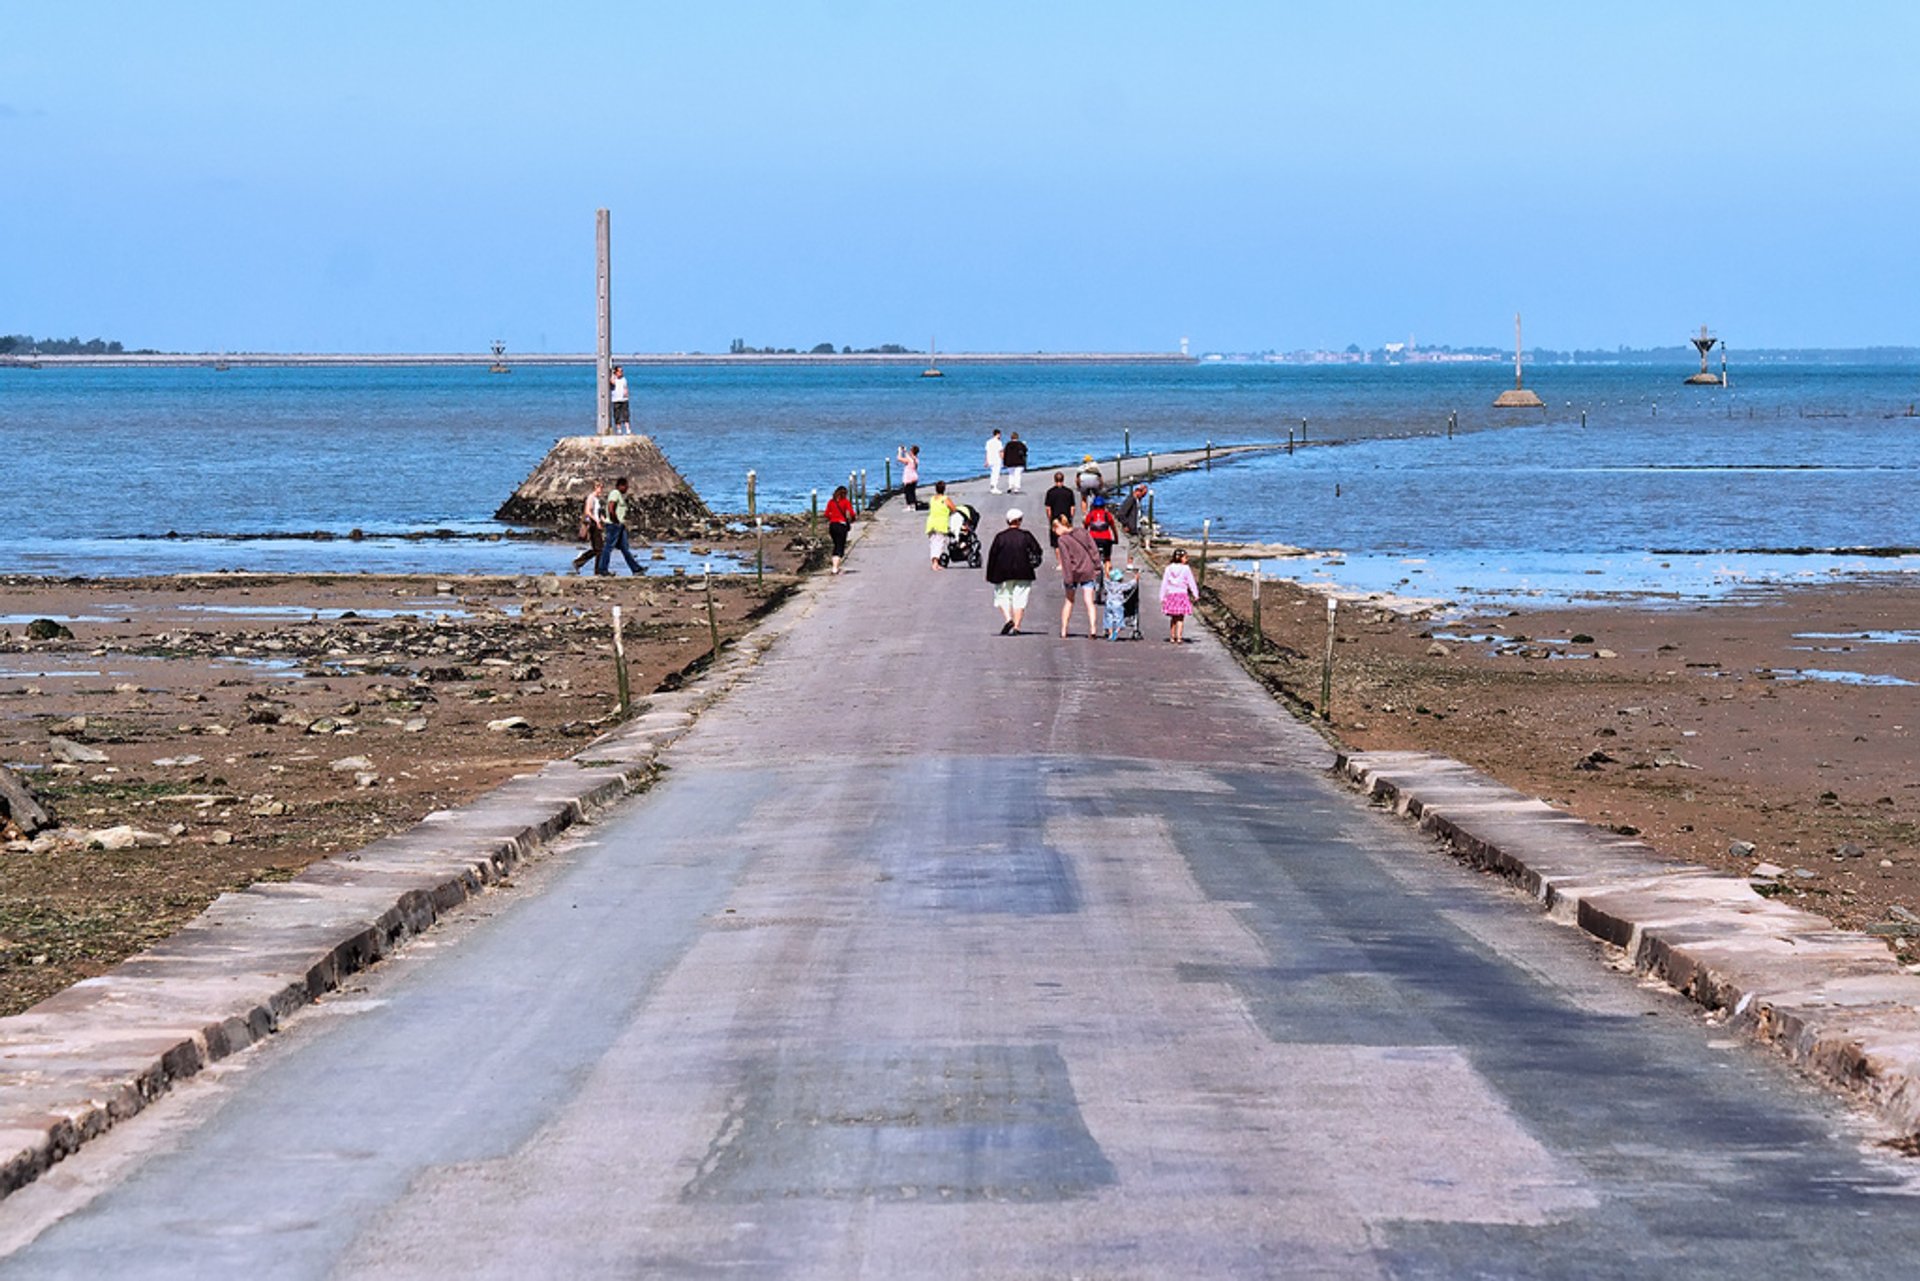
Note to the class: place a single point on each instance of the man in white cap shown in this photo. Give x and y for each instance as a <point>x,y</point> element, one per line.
<point>1012,562</point>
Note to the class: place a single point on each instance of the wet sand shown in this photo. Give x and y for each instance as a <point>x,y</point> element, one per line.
<point>229,711</point>
<point>1786,719</point>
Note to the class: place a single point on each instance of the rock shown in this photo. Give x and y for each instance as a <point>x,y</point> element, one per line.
<point>1742,849</point>
<point>526,672</point>
<point>551,586</point>
<point>1581,638</point>
<point>270,809</point>
<point>1604,653</point>
<point>76,753</point>
<point>177,762</point>
<point>41,629</point>
<point>366,779</point>
<point>1803,874</point>
<point>511,725</point>
<point>414,724</point>
<point>351,765</point>
<point>1850,850</point>
<point>1437,650</point>
<point>1768,872</point>
<point>176,829</point>
<point>127,687</point>
<point>125,837</point>
<point>219,836</point>
<point>1898,913</point>
<point>1593,760</point>
<point>72,725</point>
<point>443,588</point>
<point>1667,760</point>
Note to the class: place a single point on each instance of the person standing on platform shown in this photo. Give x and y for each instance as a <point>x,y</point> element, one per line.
<point>622,410</point>
<point>593,527</point>
<point>996,458</point>
<point>909,460</point>
<point>616,539</point>
<point>839,521</point>
<point>1012,562</point>
<point>1016,460</point>
<point>939,523</point>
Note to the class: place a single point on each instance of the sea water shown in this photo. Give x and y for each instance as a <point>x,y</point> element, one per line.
<point>117,470</point>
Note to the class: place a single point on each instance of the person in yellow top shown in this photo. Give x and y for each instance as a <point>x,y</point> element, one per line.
<point>939,523</point>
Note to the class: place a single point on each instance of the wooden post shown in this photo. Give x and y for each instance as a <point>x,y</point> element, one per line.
<point>1209,455</point>
<point>760,555</point>
<point>863,486</point>
<point>1289,442</point>
<point>1126,442</point>
<point>603,399</point>
<point>889,465</point>
<point>1259,634</point>
<point>1149,466</point>
<point>813,517</point>
<point>1303,431</point>
<point>1326,666</point>
<point>853,488</point>
<point>1200,578</point>
<point>713,620</point>
<point>1583,418</point>
<point>1149,529</point>
<point>620,664</point>
<point>1451,419</point>
<point>752,500</point>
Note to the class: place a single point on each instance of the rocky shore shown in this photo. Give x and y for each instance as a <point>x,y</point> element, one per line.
<point>1772,735</point>
<point>195,734</point>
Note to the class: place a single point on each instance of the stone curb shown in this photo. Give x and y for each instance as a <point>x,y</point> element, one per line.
<point>1836,1002</point>
<point>100,1051</point>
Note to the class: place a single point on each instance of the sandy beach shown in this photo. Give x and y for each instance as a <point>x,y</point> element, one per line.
<point>198,733</point>
<point>1784,720</point>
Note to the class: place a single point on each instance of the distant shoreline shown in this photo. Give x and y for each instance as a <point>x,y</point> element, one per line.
<point>573,359</point>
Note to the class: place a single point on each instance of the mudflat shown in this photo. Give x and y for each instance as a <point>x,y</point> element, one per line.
<point>196,734</point>
<point>1785,720</point>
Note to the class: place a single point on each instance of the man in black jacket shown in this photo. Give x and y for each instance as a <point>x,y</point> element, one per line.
<point>1015,458</point>
<point>1011,563</point>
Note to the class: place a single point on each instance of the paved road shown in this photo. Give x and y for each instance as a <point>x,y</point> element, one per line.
<point>944,953</point>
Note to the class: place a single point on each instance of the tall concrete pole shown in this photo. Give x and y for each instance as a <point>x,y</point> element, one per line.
<point>603,413</point>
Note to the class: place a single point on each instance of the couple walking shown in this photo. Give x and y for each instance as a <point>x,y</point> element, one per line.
<point>603,523</point>
<point>1009,456</point>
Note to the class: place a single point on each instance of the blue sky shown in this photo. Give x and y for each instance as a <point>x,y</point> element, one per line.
<point>1049,175</point>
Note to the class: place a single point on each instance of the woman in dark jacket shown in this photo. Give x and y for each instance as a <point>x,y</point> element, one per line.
<point>1011,563</point>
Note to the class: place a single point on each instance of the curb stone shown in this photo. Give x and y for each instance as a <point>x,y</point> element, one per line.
<point>1837,1003</point>
<point>97,1053</point>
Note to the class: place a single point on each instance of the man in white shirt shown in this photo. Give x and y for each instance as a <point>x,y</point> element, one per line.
<point>622,411</point>
<point>996,454</point>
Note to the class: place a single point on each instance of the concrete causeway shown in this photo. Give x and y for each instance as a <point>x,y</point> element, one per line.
<point>931,952</point>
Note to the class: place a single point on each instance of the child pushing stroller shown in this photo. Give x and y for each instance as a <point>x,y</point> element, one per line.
<point>1122,617</point>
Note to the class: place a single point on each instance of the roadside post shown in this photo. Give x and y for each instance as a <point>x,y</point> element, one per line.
<point>1149,466</point>
<point>1126,442</point>
<point>713,620</point>
<point>751,504</point>
<point>889,472</point>
<point>760,555</point>
<point>1149,529</point>
<point>1209,455</point>
<point>813,517</point>
<point>1200,579</point>
<point>1259,635</point>
<point>1289,442</point>
<point>1326,666</point>
<point>620,664</point>
<point>1303,431</point>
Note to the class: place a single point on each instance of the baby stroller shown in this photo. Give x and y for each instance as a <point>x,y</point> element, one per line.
<point>963,538</point>
<point>1120,603</point>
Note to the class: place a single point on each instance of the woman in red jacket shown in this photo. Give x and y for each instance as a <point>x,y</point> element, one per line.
<point>839,521</point>
<point>1100,527</point>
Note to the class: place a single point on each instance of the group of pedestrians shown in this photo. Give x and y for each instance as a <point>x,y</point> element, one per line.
<point>603,524</point>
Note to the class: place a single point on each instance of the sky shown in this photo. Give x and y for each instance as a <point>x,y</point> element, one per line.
<point>1060,175</point>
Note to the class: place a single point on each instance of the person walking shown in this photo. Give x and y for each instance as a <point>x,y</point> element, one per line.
<point>839,520</point>
<point>909,460</point>
<point>996,457</point>
<point>1011,564</point>
<point>1129,511</point>
<point>1089,482</point>
<point>622,411</point>
<point>1059,502</point>
<point>593,526</point>
<point>1101,528</point>
<point>1016,461</point>
<point>616,534</point>
<point>939,523</point>
<point>1079,570</point>
<point>1178,592</point>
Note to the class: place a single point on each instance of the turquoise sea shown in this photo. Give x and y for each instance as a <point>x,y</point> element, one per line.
<point>1665,489</point>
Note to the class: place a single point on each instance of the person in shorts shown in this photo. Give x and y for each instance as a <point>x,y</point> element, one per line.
<point>622,410</point>
<point>1012,562</point>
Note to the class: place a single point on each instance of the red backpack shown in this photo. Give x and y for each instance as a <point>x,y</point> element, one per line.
<point>1100,525</point>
